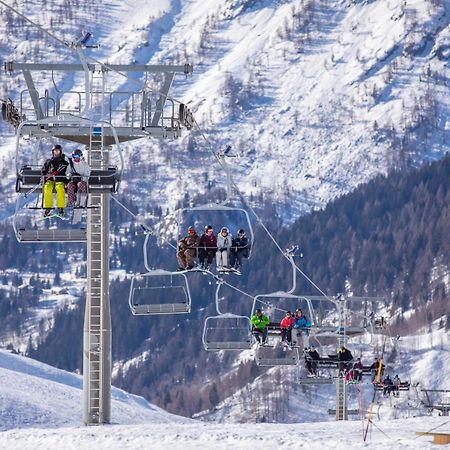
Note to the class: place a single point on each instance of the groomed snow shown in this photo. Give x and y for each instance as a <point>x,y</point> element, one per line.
<point>33,394</point>
<point>398,434</point>
<point>41,407</point>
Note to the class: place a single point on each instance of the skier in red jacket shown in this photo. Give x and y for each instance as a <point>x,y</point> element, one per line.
<point>207,248</point>
<point>286,327</point>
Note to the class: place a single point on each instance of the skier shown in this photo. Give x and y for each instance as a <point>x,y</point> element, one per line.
<point>259,323</point>
<point>358,368</point>
<point>388,385</point>
<point>311,358</point>
<point>397,383</point>
<point>286,327</point>
<point>187,249</point>
<point>78,172</point>
<point>300,321</point>
<point>54,171</point>
<point>224,243</point>
<point>344,356</point>
<point>374,369</point>
<point>207,248</point>
<point>240,250</point>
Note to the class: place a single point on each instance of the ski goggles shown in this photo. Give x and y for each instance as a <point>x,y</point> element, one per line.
<point>76,156</point>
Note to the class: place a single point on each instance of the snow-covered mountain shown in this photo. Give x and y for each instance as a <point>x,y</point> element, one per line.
<point>324,94</point>
<point>35,395</point>
<point>40,407</point>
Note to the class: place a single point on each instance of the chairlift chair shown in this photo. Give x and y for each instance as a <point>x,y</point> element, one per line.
<point>146,287</point>
<point>29,185</point>
<point>267,356</point>
<point>275,306</point>
<point>200,216</point>
<point>227,332</point>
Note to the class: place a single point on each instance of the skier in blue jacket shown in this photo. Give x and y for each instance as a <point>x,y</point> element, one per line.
<point>300,320</point>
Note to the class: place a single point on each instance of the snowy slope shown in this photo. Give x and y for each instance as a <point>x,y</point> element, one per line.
<point>33,394</point>
<point>398,434</point>
<point>40,407</point>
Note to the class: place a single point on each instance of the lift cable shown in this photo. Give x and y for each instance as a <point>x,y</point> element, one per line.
<point>147,230</point>
<point>258,218</point>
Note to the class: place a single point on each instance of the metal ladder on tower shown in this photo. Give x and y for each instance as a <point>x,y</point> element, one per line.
<point>341,387</point>
<point>97,327</point>
<point>341,397</point>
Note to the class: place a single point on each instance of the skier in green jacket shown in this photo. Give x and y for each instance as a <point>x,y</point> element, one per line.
<point>259,323</point>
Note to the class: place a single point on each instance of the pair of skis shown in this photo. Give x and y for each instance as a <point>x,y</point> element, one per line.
<point>228,270</point>
<point>76,216</point>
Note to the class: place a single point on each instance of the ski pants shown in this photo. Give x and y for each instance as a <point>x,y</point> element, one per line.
<point>206,253</point>
<point>186,257</point>
<point>73,188</point>
<point>59,187</point>
<point>260,333</point>
<point>312,367</point>
<point>237,256</point>
<point>223,258</point>
<point>286,334</point>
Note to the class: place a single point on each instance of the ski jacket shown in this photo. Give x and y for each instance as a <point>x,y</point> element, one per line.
<point>189,241</point>
<point>358,366</point>
<point>345,354</point>
<point>259,322</point>
<point>388,382</point>
<point>241,245</point>
<point>312,354</point>
<point>375,365</point>
<point>301,322</point>
<point>286,322</point>
<point>78,171</point>
<point>208,241</point>
<point>224,242</point>
<point>56,166</point>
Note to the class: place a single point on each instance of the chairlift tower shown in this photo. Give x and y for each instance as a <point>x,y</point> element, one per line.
<point>342,332</point>
<point>94,128</point>
<point>342,337</point>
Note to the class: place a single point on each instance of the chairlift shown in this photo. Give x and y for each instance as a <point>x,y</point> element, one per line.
<point>269,356</point>
<point>148,289</point>
<point>27,223</point>
<point>218,215</point>
<point>275,305</point>
<point>159,291</point>
<point>226,331</point>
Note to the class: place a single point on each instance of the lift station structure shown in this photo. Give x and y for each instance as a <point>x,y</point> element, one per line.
<point>97,118</point>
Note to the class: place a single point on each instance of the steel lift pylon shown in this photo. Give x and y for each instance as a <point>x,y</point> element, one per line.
<point>98,136</point>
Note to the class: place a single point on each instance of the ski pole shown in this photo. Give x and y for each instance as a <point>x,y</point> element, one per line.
<point>55,172</point>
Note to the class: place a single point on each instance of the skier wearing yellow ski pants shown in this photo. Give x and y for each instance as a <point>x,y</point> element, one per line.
<point>59,187</point>
<point>54,172</point>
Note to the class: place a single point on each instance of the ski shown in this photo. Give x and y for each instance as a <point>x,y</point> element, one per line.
<point>51,216</point>
<point>77,214</point>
